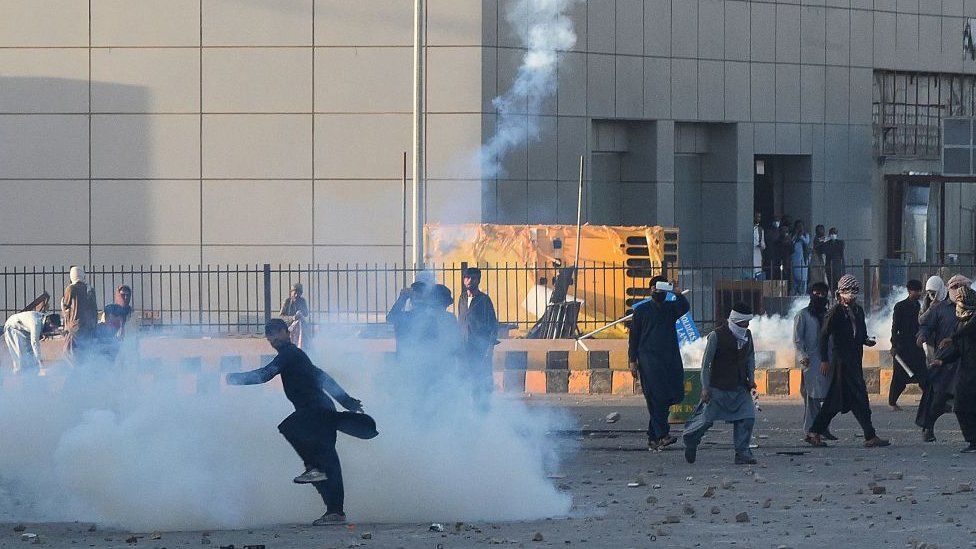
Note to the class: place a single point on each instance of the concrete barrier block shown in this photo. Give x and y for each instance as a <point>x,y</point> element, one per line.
<point>535,381</point>
<point>761,384</point>
<point>872,378</point>
<point>598,359</point>
<point>872,357</point>
<point>777,382</point>
<point>578,360</point>
<point>601,382</point>
<point>796,380</point>
<point>516,360</point>
<point>557,360</point>
<point>619,361</point>
<point>513,381</point>
<point>579,382</point>
<point>557,381</point>
<point>622,383</point>
<point>884,379</point>
<point>536,360</point>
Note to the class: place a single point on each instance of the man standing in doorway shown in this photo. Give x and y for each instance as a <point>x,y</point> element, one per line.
<point>800,258</point>
<point>479,333</point>
<point>655,358</point>
<point>833,251</point>
<point>758,246</point>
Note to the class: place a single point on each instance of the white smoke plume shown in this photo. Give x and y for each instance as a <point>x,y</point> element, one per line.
<point>775,332</point>
<point>545,30</point>
<point>141,455</point>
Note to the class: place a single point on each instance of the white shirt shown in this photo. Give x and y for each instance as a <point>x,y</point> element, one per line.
<point>31,323</point>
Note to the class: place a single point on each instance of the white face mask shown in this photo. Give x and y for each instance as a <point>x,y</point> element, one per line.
<point>775,224</point>
<point>833,237</point>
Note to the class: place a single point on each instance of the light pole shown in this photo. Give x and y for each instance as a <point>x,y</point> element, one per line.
<point>418,135</point>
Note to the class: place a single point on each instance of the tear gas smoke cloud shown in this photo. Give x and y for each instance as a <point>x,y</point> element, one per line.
<point>775,332</point>
<point>545,30</point>
<point>147,456</point>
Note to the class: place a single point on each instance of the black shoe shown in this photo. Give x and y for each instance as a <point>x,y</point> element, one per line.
<point>928,435</point>
<point>666,441</point>
<point>739,460</point>
<point>691,452</point>
<point>828,436</point>
<point>971,449</point>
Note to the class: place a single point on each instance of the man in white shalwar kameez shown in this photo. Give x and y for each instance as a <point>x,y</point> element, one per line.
<point>22,333</point>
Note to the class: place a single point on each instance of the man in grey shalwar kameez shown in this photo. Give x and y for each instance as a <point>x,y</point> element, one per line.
<point>806,341</point>
<point>728,377</point>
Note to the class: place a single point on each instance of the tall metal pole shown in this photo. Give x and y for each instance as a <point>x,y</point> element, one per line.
<point>579,211</point>
<point>404,235</point>
<point>418,135</point>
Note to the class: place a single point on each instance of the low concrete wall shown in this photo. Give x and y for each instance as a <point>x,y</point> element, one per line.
<point>520,366</point>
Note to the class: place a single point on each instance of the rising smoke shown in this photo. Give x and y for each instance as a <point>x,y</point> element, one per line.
<point>545,30</point>
<point>124,451</point>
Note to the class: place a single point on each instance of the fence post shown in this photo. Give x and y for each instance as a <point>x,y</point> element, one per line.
<point>267,292</point>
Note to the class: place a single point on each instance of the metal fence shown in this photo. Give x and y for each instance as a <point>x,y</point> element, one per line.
<point>240,298</point>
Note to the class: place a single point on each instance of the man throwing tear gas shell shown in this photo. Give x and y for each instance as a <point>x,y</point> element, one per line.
<point>311,429</point>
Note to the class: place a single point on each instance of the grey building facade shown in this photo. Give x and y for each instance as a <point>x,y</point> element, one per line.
<point>251,131</point>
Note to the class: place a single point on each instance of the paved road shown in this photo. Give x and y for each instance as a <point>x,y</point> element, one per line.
<point>844,496</point>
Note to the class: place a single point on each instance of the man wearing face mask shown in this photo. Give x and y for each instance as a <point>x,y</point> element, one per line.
<point>833,251</point>
<point>728,377</point>
<point>655,359</point>
<point>806,341</point>
<point>937,326</point>
<point>905,353</point>
<point>842,342</point>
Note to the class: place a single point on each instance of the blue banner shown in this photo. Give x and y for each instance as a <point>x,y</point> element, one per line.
<point>686,327</point>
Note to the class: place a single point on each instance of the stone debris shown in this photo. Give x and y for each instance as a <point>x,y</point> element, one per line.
<point>967,487</point>
<point>767,503</point>
<point>613,417</point>
<point>132,540</point>
<point>672,519</point>
<point>878,489</point>
<point>716,511</point>
<point>742,517</point>
<point>155,536</point>
<point>709,492</point>
<point>366,535</point>
<point>688,509</point>
<point>20,528</point>
<point>436,527</point>
<point>28,536</point>
<point>727,484</point>
<point>537,536</point>
<point>637,482</point>
<point>651,500</point>
<point>818,497</point>
<point>896,476</point>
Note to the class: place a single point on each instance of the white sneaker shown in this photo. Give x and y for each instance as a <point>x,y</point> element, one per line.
<point>310,476</point>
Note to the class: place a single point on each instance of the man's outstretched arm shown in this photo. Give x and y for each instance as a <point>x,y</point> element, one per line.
<point>332,387</point>
<point>256,377</point>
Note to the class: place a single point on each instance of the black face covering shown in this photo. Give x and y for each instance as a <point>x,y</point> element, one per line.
<point>658,296</point>
<point>818,305</point>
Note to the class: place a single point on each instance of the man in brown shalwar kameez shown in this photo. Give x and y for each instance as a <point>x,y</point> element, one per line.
<point>80,313</point>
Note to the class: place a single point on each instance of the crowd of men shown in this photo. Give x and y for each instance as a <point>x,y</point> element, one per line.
<point>785,250</point>
<point>933,345</point>
<point>87,336</point>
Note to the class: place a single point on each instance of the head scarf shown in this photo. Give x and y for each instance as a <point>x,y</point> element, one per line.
<point>77,274</point>
<point>957,280</point>
<point>966,304</point>
<point>937,285</point>
<point>848,283</point>
<point>740,333</point>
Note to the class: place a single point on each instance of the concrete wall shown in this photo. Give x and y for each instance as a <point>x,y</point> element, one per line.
<point>226,131</point>
<point>216,131</point>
